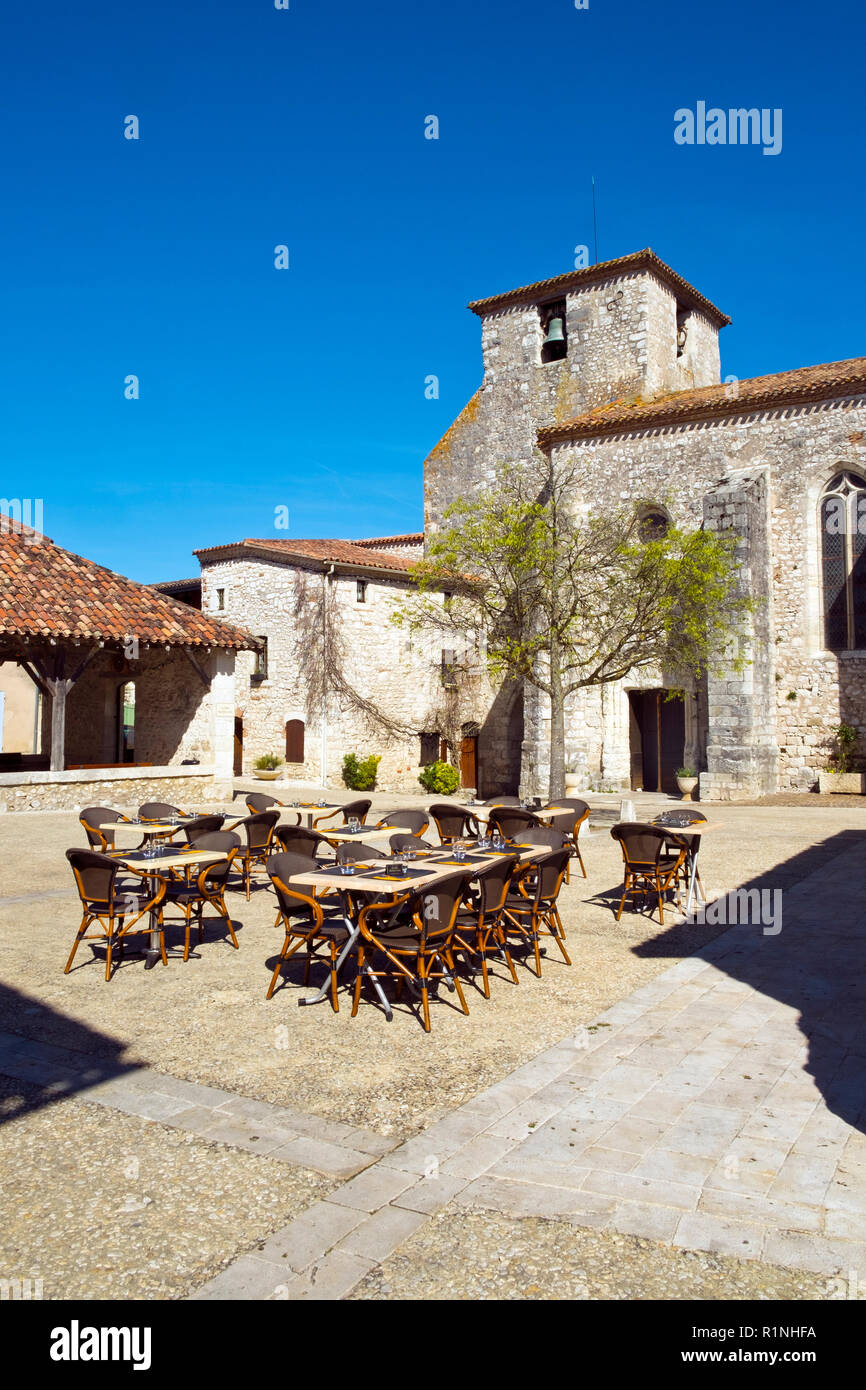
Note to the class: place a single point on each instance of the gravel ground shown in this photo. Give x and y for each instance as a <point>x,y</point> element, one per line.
<point>133,1209</point>
<point>479,1256</point>
<point>209,1020</point>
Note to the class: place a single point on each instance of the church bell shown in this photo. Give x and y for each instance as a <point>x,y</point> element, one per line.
<point>554,332</point>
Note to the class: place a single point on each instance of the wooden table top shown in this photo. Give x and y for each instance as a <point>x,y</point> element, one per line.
<point>175,860</point>
<point>432,869</point>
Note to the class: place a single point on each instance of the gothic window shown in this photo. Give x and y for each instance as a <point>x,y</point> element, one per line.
<point>843,562</point>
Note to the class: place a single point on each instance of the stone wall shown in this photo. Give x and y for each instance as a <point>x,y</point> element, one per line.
<point>194,789</point>
<point>398,673</point>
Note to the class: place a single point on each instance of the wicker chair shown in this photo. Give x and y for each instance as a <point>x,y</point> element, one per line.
<point>259,830</point>
<point>531,909</point>
<point>478,929</point>
<point>545,835</point>
<point>416,944</point>
<point>453,822</point>
<point>204,825</point>
<point>353,809</point>
<point>100,824</point>
<point>296,839</point>
<point>260,801</point>
<point>397,843</point>
<point>511,822</point>
<point>305,922</point>
<point>156,810</point>
<point>115,907</point>
<point>208,886</point>
<point>354,853</point>
<point>569,823</point>
<point>414,821</point>
<point>652,863</point>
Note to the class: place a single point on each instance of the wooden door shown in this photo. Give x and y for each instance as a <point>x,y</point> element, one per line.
<point>295,741</point>
<point>469,762</point>
<point>239,746</point>
<point>672,738</point>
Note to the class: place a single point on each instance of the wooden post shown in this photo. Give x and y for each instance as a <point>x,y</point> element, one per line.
<point>59,689</point>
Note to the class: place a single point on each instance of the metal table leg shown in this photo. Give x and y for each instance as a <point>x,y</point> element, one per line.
<point>693,874</point>
<point>153,954</point>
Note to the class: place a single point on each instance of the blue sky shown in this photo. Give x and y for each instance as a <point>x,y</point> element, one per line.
<point>304,388</point>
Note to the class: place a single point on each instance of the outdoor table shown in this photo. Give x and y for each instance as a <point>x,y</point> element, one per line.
<point>173,859</point>
<point>312,809</point>
<point>438,865</point>
<point>367,834</point>
<point>692,834</point>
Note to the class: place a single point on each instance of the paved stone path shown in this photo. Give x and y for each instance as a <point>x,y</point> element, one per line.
<point>721,1107</point>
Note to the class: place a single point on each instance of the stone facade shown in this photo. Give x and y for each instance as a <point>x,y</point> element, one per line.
<point>758,471</point>
<point>195,788</point>
<point>380,667</point>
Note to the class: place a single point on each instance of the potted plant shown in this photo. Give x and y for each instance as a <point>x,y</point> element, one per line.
<point>687,780</point>
<point>573,778</point>
<point>838,776</point>
<point>267,767</point>
<point>359,774</point>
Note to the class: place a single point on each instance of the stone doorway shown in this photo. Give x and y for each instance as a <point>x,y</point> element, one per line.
<point>657,735</point>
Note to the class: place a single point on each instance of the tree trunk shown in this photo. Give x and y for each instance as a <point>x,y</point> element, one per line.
<point>556,786</point>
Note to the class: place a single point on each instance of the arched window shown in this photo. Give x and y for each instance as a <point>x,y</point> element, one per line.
<point>843,562</point>
<point>653,523</point>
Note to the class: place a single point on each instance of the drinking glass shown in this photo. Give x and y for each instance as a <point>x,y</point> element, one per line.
<point>459,850</point>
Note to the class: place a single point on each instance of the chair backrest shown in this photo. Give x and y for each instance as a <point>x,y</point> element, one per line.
<point>204,825</point>
<point>640,844</point>
<point>358,809</point>
<point>551,874</point>
<point>494,883</point>
<point>98,822</point>
<point>503,801</point>
<point>510,822</point>
<point>95,875</point>
<point>569,820</point>
<point>220,840</point>
<point>353,853</point>
<point>416,821</point>
<point>217,873</point>
<point>434,909</point>
<point>399,842</point>
<point>451,821</point>
<point>282,869</point>
<point>543,835</point>
<point>259,801</point>
<point>259,829</point>
<point>296,839</point>
<point>155,810</point>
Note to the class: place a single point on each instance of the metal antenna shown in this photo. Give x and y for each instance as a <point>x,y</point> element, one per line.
<point>594,222</point>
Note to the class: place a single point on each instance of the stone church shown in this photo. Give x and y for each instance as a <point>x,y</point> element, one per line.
<point>615,368</point>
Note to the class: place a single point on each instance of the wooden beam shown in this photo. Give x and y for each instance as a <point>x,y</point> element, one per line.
<point>60,689</point>
<point>205,680</point>
<point>34,676</point>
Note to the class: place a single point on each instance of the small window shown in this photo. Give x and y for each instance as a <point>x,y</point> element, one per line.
<point>221,600</point>
<point>429,748</point>
<point>449,677</point>
<point>554,346</point>
<point>361,591</point>
<point>260,669</point>
<point>653,525</point>
<point>683,318</point>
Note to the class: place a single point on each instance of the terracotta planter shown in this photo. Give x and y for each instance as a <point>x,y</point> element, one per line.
<point>572,782</point>
<point>854,783</point>
<point>687,787</point>
<point>268,776</point>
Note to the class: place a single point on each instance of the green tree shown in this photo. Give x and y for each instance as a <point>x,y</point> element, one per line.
<point>566,598</point>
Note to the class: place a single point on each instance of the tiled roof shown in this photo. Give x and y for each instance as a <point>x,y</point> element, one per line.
<point>799,387</point>
<point>604,270</point>
<point>331,552</point>
<point>179,583</point>
<point>416,538</point>
<point>47,591</point>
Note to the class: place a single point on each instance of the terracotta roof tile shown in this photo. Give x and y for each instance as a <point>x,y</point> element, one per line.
<point>416,538</point>
<point>334,552</point>
<point>604,270</point>
<point>823,382</point>
<point>51,592</point>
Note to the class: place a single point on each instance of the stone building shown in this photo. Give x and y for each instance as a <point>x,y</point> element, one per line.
<point>616,368</point>
<point>335,675</point>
